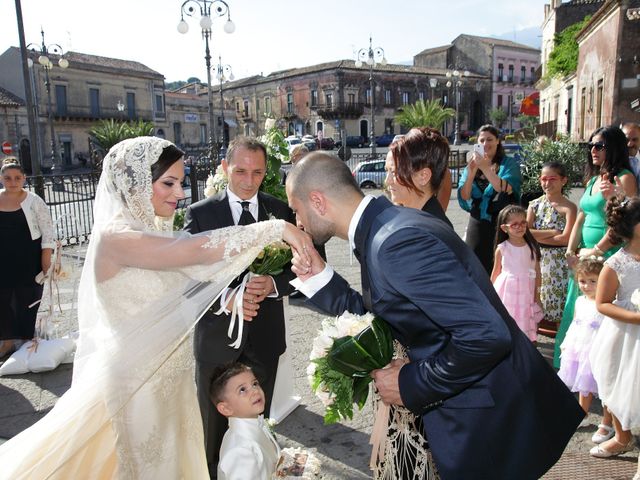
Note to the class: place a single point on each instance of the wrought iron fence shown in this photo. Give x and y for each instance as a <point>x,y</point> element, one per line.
<point>70,199</point>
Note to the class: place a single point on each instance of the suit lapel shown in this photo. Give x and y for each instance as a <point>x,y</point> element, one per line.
<point>363,231</point>
<point>263,212</point>
<point>222,213</point>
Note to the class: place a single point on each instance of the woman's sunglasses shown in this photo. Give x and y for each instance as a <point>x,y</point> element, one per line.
<point>599,146</point>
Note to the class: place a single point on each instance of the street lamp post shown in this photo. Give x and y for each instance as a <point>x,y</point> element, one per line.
<point>220,8</point>
<point>456,77</point>
<point>372,56</point>
<point>43,51</point>
<point>224,74</point>
<point>433,83</point>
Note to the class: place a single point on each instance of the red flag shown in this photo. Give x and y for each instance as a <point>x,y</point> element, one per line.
<point>531,105</point>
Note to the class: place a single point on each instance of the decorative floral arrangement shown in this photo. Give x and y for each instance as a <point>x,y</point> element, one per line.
<point>344,353</point>
<point>272,259</point>
<point>635,298</point>
<point>216,183</point>
<point>591,258</point>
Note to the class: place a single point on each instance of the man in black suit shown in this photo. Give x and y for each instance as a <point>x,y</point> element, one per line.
<point>263,335</point>
<point>492,407</point>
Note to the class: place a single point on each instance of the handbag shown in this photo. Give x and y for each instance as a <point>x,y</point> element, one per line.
<point>501,199</point>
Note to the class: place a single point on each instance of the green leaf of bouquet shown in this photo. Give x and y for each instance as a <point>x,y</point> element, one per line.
<point>350,358</point>
<point>361,390</point>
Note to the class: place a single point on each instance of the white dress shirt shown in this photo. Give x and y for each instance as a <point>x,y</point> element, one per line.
<point>248,451</point>
<point>314,284</point>
<point>236,207</point>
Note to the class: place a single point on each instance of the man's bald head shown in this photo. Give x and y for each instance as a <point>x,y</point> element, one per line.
<point>324,173</point>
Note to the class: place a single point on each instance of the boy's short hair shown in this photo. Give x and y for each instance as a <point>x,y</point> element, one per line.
<point>221,377</point>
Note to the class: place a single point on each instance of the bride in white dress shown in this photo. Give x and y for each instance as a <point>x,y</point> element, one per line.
<point>132,411</point>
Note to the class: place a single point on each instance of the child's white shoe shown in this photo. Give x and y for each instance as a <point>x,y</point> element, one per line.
<point>598,437</point>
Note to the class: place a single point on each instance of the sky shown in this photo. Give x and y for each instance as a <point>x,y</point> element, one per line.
<point>269,36</point>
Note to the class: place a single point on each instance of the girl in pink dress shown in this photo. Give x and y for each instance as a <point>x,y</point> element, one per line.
<point>516,269</point>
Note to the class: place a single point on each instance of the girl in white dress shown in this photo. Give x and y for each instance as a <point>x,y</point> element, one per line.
<point>615,356</point>
<point>132,411</point>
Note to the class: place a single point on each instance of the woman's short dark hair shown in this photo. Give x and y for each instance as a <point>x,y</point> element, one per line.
<point>617,154</point>
<point>496,133</point>
<point>622,217</point>
<point>11,162</point>
<point>170,155</point>
<point>221,377</point>
<point>422,147</point>
<point>558,167</point>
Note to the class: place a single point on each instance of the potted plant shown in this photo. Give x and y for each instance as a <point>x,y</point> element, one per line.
<point>537,153</point>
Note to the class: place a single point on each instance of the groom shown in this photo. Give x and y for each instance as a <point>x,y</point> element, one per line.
<point>492,407</point>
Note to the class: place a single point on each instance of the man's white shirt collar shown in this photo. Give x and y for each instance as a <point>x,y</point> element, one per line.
<point>355,219</point>
<point>234,198</point>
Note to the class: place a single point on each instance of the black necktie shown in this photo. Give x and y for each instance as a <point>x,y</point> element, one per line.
<point>246,218</point>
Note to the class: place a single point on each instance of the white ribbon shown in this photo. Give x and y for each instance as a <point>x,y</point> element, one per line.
<point>237,311</point>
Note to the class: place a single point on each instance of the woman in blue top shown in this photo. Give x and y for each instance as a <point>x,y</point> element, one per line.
<point>480,183</point>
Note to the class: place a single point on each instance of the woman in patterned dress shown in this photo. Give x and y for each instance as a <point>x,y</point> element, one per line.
<point>550,218</point>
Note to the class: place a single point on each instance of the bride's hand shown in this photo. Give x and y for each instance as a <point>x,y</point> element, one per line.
<point>299,241</point>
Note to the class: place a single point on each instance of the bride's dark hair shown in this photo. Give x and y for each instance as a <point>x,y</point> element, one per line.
<point>170,155</point>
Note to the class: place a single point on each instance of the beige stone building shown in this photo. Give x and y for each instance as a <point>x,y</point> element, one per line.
<point>91,89</point>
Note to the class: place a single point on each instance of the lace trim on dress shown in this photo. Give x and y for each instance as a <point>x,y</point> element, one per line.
<point>240,238</point>
<point>406,455</point>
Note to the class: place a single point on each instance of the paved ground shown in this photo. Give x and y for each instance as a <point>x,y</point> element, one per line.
<point>343,448</point>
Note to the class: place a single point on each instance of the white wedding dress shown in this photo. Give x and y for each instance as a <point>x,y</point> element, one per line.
<point>132,410</point>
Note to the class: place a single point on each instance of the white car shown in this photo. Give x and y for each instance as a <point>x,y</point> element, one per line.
<point>293,140</point>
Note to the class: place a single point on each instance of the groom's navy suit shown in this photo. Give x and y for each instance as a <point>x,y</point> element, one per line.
<point>492,407</point>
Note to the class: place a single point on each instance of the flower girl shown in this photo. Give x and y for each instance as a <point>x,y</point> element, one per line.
<point>516,269</point>
<point>575,369</point>
<point>615,356</point>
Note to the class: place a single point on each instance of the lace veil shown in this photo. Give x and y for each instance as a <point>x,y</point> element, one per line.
<point>132,321</point>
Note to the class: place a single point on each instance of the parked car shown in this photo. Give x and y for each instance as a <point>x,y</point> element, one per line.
<point>384,140</point>
<point>309,141</point>
<point>370,174</point>
<point>514,150</point>
<point>293,140</point>
<point>396,138</point>
<point>353,141</point>
<point>326,143</point>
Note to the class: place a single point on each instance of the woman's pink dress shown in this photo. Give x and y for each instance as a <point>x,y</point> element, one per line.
<point>516,287</point>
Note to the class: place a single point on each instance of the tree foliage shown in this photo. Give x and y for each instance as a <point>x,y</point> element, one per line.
<point>277,150</point>
<point>425,114</point>
<point>562,150</point>
<point>107,133</point>
<point>563,59</point>
<point>497,116</point>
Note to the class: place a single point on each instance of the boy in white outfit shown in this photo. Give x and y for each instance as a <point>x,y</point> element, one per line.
<point>248,449</point>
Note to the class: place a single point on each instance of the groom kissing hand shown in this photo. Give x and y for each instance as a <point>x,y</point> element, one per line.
<point>491,406</point>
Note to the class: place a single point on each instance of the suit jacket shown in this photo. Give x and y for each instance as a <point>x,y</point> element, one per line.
<point>265,335</point>
<point>433,207</point>
<point>492,407</point>
<point>248,451</point>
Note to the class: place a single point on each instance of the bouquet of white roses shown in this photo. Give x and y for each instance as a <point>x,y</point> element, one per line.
<point>216,183</point>
<point>344,353</point>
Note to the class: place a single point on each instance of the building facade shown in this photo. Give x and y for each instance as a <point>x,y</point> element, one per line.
<point>512,68</point>
<point>335,98</point>
<point>558,94</point>
<point>92,88</point>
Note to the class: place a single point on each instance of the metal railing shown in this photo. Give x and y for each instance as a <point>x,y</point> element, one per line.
<point>70,199</point>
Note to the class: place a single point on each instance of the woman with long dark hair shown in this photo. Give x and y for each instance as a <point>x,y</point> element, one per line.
<point>484,182</point>
<point>607,160</point>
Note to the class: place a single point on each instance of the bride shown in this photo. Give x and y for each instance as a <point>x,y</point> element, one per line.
<point>132,411</point>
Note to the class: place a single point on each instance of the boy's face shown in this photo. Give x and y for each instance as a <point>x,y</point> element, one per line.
<point>243,397</point>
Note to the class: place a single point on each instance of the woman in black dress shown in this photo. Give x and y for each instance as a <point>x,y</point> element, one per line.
<point>26,238</point>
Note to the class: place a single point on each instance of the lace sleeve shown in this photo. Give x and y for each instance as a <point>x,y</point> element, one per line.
<point>198,256</point>
<point>617,262</point>
<point>45,224</point>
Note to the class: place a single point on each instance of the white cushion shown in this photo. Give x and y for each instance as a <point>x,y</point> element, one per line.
<point>49,354</point>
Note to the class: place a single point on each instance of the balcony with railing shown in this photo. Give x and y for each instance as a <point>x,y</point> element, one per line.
<point>85,112</point>
<point>333,111</point>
